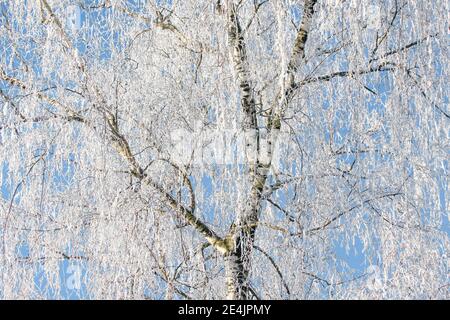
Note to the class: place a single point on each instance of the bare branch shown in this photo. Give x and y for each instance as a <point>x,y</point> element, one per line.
<point>277,269</point>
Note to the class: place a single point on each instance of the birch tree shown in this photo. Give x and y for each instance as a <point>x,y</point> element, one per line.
<point>210,149</point>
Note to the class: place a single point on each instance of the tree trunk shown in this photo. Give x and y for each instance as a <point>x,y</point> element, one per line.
<point>237,260</point>
<point>236,277</point>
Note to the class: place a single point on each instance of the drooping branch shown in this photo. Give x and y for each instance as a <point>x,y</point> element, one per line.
<point>383,37</point>
<point>295,62</point>
<point>17,188</point>
<point>121,145</point>
<point>425,96</point>
<point>255,14</point>
<point>194,221</point>
<point>277,269</point>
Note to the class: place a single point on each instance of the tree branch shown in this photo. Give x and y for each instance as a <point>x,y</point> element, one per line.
<point>347,73</point>
<point>71,114</point>
<point>295,62</point>
<point>277,269</point>
<point>403,48</point>
<point>239,58</point>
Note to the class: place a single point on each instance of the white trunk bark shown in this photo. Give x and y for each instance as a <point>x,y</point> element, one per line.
<point>237,257</point>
